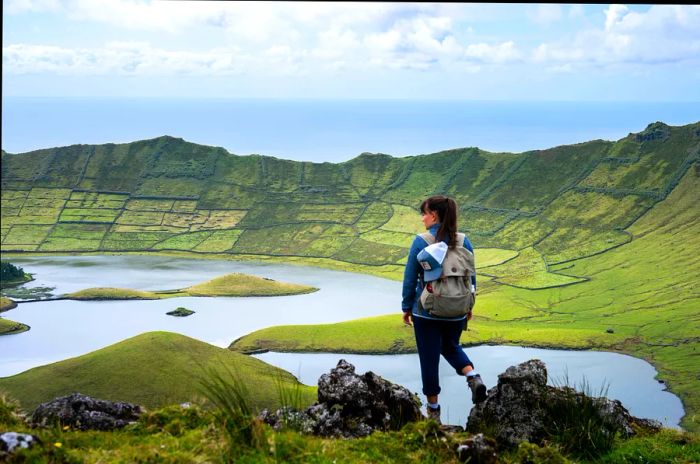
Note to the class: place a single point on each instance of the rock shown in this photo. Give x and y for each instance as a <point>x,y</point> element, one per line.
<point>610,331</point>
<point>654,131</point>
<point>477,450</point>
<point>10,441</point>
<point>180,312</point>
<point>86,413</point>
<point>351,405</point>
<point>523,408</point>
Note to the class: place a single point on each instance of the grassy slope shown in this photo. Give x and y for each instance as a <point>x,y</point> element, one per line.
<point>152,369</point>
<point>634,289</point>
<point>234,284</point>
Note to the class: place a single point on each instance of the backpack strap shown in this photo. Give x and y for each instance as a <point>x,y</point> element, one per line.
<point>428,237</point>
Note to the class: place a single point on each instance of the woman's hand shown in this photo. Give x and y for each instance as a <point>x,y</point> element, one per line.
<point>408,318</point>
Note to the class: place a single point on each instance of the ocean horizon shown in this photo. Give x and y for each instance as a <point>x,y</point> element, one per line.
<point>329,130</point>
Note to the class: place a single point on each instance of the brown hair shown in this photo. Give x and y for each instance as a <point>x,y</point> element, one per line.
<point>446,209</point>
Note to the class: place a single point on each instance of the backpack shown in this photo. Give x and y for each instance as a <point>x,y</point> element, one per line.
<point>450,296</point>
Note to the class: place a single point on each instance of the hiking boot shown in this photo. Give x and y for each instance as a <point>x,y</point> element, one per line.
<point>434,414</point>
<point>476,385</point>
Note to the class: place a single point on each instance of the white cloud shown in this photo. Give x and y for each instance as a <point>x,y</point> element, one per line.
<point>122,58</point>
<point>613,15</point>
<point>499,53</point>
<point>297,38</point>
<point>352,36</point>
<point>662,34</point>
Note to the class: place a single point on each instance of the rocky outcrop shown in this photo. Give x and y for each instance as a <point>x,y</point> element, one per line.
<point>351,405</point>
<point>522,407</point>
<point>85,413</point>
<point>654,131</point>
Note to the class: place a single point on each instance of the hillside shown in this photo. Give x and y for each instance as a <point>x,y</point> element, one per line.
<point>154,369</point>
<point>167,194</point>
<point>572,242</point>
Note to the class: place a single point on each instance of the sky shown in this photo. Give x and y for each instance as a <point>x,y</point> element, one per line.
<point>353,50</point>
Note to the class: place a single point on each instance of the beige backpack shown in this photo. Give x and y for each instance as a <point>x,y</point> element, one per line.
<point>450,296</point>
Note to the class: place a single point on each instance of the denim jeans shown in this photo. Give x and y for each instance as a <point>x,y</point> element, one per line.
<point>435,338</point>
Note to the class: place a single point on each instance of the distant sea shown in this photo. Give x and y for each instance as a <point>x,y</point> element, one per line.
<point>328,130</point>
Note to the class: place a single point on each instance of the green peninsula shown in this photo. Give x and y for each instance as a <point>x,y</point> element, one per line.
<point>8,327</point>
<point>234,284</point>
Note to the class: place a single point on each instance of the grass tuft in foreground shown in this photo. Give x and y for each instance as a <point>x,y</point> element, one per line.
<point>234,413</point>
<point>578,426</point>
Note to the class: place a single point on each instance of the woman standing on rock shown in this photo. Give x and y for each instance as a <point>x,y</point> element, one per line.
<point>437,331</point>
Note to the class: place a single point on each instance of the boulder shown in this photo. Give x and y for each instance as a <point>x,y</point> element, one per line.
<point>11,441</point>
<point>523,408</point>
<point>477,449</point>
<point>85,413</point>
<point>351,405</point>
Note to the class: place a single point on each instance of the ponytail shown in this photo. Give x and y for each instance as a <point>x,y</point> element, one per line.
<point>446,209</point>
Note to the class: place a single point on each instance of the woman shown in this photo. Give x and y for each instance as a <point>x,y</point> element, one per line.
<point>437,335</point>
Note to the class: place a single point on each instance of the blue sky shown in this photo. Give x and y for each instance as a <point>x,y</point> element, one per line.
<point>136,48</point>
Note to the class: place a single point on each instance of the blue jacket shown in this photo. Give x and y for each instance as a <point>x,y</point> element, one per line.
<point>411,277</point>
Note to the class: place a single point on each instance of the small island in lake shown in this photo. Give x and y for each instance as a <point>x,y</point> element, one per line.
<point>11,275</point>
<point>180,312</point>
<point>234,284</point>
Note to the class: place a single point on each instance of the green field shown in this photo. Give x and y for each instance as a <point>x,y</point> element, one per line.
<point>570,241</point>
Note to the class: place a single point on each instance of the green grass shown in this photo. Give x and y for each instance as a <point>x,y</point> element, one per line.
<point>388,334</point>
<point>153,369</point>
<point>183,241</point>
<point>405,220</point>
<point>528,270</point>
<point>8,327</point>
<point>111,293</point>
<point>219,241</point>
<point>27,235</point>
<point>375,215</point>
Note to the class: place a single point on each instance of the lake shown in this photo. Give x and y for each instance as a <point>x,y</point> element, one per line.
<point>63,329</point>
